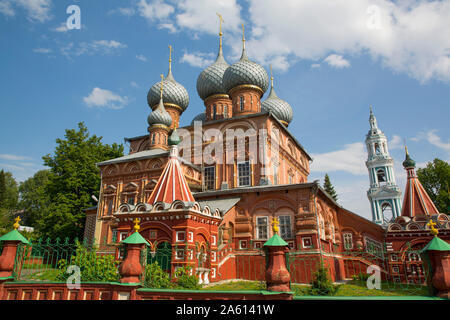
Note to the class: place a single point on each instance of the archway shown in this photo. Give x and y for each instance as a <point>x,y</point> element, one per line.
<point>162,255</point>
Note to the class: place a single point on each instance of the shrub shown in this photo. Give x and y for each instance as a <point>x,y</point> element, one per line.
<point>321,284</point>
<point>360,277</point>
<point>155,277</point>
<point>93,267</point>
<point>185,280</point>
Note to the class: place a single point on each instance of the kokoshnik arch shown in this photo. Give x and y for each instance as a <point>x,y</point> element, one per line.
<point>207,215</point>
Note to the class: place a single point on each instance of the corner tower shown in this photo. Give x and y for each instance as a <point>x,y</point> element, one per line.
<point>384,194</point>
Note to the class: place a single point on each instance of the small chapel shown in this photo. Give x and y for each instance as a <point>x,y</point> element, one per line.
<point>207,214</point>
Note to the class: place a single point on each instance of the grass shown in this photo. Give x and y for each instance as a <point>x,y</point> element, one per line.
<point>344,290</point>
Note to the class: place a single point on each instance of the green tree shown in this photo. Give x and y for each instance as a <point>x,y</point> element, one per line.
<point>73,180</point>
<point>435,178</point>
<point>9,193</point>
<point>33,197</point>
<point>329,188</point>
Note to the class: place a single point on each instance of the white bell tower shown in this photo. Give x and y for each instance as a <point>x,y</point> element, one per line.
<point>384,194</point>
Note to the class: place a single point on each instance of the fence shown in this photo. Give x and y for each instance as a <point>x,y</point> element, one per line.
<point>45,260</point>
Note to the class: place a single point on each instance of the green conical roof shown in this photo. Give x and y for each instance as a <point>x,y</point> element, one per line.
<point>135,238</point>
<point>408,163</point>
<point>174,138</point>
<point>437,244</point>
<point>14,236</point>
<point>275,241</point>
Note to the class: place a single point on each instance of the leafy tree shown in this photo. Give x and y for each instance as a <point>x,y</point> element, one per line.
<point>9,193</point>
<point>321,285</point>
<point>33,197</point>
<point>435,178</point>
<point>73,180</point>
<point>6,222</point>
<point>329,188</point>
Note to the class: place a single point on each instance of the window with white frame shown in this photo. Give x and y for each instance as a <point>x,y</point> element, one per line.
<point>210,178</point>
<point>285,227</point>
<point>348,241</point>
<point>244,173</point>
<point>262,228</point>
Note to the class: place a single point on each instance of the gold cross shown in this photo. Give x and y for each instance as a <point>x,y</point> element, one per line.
<point>275,224</point>
<point>220,23</point>
<point>136,225</point>
<point>17,225</point>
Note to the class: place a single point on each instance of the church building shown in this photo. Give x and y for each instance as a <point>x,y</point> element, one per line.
<point>208,211</point>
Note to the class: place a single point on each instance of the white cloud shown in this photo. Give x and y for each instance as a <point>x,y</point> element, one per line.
<point>396,142</point>
<point>437,141</point>
<point>123,11</point>
<point>61,28</point>
<point>154,10</point>
<point>350,159</point>
<point>197,59</point>
<point>134,84</point>
<point>168,26</point>
<point>6,8</point>
<point>141,57</point>
<point>93,47</point>
<point>409,36</point>
<point>43,50</point>
<point>315,65</point>
<point>337,61</point>
<point>105,99</point>
<point>13,157</point>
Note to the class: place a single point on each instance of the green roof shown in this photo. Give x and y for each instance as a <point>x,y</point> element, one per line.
<point>135,238</point>
<point>14,236</point>
<point>437,244</point>
<point>275,241</point>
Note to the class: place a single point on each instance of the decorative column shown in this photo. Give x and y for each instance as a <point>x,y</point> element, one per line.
<point>11,242</point>
<point>277,275</point>
<point>438,252</point>
<point>131,268</point>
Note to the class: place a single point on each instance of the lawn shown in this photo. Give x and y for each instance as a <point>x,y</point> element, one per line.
<point>344,290</point>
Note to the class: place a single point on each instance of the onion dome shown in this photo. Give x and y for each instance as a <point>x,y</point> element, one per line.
<point>200,117</point>
<point>247,72</point>
<point>160,115</point>
<point>209,82</point>
<point>174,93</point>
<point>408,163</point>
<point>174,138</point>
<point>278,107</point>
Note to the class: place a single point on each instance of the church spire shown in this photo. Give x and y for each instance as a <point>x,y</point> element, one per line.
<point>416,202</point>
<point>244,54</point>
<point>169,73</point>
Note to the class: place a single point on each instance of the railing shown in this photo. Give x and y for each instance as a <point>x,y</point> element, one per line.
<point>46,260</point>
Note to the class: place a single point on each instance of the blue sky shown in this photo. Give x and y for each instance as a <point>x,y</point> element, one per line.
<point>331,61</point>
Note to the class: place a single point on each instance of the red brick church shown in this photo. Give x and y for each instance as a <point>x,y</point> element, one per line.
<point>211,211</point>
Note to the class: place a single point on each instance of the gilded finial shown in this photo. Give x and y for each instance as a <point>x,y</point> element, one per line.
<point>433,230</point>
<point>275,224</point>
<point>17,225</point>
<point>162,85</point>
<point>271,77</point>
<point>220,23</point>
<point>243,36</point>
<point>136,225</point>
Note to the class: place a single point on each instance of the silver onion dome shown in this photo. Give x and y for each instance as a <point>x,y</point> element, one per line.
<point>278,107</point>
<point>174,92</point>
<point>160,116</point>
<point>209,82</point>
<point>200,117</point>
<point>243,72</point>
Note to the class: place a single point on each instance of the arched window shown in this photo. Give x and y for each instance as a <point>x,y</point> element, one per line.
<point>386,210</point>
<point>225,111</point>
<point>241,102</point>
<point>381,176</point>
<point>214,112</point>
<point>153,138</point>
<point>377,148</point>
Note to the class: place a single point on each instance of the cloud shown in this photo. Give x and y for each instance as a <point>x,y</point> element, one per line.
<point>134,84</point>
<point>197,59</point>
<point>105,99</point>
<point>93,47</point>
<point>437,141</point>
<point>350,159</point>
<point>168,26</point>
<point>43,50</point>
<point>6,8</point>
<point>337,61</point>
<point>141,57</point>
<point>37,10</point>
<point>154,10</point>
<point>61,28</point>
<point>13,157</point>
<point>410,37</point>
<point>396,142</point>
<point>315,65</point>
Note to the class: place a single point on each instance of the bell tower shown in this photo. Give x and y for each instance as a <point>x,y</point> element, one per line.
<point>384,194</point>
